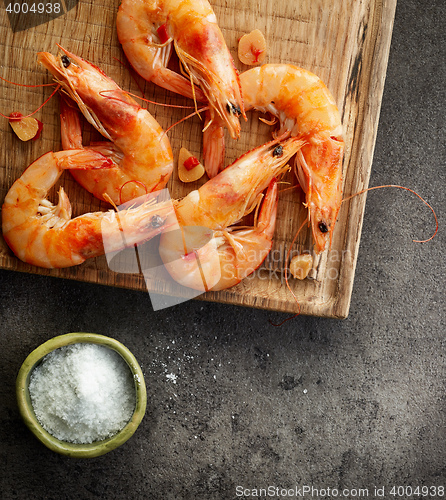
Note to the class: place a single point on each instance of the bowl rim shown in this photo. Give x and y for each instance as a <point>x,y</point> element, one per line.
<point>88,450</point>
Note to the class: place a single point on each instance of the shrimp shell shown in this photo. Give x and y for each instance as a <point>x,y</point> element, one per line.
<point>139,148</point>
<point>45,235</point>
<point>192,27</point>
<point>305,108</point>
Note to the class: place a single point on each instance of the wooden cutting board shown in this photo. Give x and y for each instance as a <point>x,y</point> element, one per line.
<point>345,42</point>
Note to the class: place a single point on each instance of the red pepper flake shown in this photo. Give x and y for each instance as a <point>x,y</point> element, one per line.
<point>256,53</point>
<point>162,33</point>
<point>191,163</point>
<point>15,116</point>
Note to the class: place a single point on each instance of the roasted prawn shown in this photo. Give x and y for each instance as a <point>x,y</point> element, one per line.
<point>43,234</point>
<point>304,108</point>
<point>148,29</point>
<point>137,145</point>
<point>231,252</point>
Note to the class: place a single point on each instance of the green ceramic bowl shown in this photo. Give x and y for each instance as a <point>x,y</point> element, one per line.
<point>71,449</point>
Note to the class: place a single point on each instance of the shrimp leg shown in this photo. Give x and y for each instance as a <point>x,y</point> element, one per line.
<point>244,250</point>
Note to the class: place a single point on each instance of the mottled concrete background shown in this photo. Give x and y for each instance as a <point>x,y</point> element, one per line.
<point>234,401</point>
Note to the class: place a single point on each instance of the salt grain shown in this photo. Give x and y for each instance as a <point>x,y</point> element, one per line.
<point>82,393</point>
<point>172,377</point>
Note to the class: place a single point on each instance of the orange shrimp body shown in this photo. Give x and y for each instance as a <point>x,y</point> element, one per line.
<point>146,29</point>
<point>242,253</point>
<point>306,109</point>
<point>138,146</point>
<point>232,253</point>
<point>45,235</point>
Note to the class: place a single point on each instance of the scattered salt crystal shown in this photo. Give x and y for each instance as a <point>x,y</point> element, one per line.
<point>172,377</point>
<point>82,393</point>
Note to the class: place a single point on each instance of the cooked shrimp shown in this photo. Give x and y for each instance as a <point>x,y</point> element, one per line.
<point>146,30</point>
<point>305,108</point>
<point>139,147</point>
<point>244,250</point>
<point>43,234</point>
<point>230,254</point>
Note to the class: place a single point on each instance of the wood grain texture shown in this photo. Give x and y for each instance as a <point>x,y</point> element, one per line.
<point>345,42</point>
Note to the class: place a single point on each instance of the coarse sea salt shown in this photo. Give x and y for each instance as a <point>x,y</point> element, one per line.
<point>82,393</point>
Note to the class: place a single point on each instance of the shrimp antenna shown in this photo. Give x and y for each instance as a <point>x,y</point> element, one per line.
<point>154,102</point>
<point>26,85</point>
<point>187,117</point>
<point>44,102</point>
<point>109,200</point>
<point>291,187</point>
<point>129,182</point>
<point>130,70</point>
<point>286,275</point>
<point>103,94</point>
<point>143,98</point>
<point>406,189</point>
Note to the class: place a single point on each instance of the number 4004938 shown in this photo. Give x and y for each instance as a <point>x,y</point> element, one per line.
<point>34,8</point>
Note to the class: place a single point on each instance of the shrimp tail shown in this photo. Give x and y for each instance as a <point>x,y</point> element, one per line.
<point>213,145</point>
<point>70,125</point>
<point>84,159</point>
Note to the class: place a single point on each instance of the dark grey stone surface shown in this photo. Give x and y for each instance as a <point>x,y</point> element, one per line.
<point>357,403</point>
